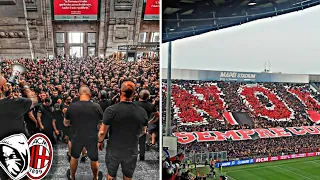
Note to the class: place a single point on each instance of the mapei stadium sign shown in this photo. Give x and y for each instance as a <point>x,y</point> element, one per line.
<point>245,134</point>
<point>238,75</point>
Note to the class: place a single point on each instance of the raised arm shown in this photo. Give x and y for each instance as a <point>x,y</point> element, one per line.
<point>29,93</point>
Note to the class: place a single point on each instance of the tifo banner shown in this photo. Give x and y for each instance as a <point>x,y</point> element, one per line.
<point>75,9</point>
<point>152,10</point>
<point>266,159</point>
<point>244,134</point>
<point>235,163</point>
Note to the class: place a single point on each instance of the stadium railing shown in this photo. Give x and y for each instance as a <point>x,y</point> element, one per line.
<point>202,157</point>
<point>266,159</point>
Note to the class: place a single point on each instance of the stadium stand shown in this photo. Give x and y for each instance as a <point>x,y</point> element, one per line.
<point>194,18</point>
<point>200,106</point>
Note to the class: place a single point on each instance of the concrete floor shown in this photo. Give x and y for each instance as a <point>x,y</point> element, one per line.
<point>145,170</point>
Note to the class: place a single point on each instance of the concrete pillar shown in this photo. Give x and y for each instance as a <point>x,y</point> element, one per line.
<point>101,38</point>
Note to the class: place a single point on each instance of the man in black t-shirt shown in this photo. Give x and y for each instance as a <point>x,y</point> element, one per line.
<point>84,117</point>
<point>66,129</point>
<point>45,120</point>
<point>75,99</point>
<point>31,121</point>
<point>104,102</point>
<point>55,97</point>
<point>84,151</point>
<point>149,108</point>
<point>126,122</point>
<point>58,120</point>
<point>12,112</point>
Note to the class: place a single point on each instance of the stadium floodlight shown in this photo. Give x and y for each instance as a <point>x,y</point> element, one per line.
<point>252,3</point>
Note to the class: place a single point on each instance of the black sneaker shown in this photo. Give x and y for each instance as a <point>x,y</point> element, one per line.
<point>100,175</point>
<point>156,147</point>
<point>84,158</point>
<point>153,146</point>
<point>147,147</point>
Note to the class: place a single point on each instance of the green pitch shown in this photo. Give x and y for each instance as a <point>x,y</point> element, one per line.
<point>295,169</point>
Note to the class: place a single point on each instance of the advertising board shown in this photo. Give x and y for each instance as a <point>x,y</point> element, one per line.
<point>75,9</point>
<point>265,159</point>
<point>235,163</point>
<point>152,10</point>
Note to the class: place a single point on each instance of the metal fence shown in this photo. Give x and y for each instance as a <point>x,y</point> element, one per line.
<point>202,157</point>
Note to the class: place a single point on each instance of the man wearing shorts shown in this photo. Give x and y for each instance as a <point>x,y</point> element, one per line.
<point>84,117</point>
<point>66,129</point>
<point>126,122</point>
<point>149,108</point>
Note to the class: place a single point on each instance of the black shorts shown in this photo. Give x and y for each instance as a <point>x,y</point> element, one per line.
<point>66,130</point>
<point>91,147</point>
<point>127,159</point>
<point>153,128</point>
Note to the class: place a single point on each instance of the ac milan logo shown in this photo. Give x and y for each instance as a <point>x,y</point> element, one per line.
<point>41,155</point>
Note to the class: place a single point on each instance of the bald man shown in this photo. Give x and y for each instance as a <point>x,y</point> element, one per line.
<point>143,102</point>
<point>84,117</point>
<point>12,112</point>
<point>126,122</point>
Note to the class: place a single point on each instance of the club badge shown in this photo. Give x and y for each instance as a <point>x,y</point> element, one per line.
<point>41,155</point>
<point>20,158</point>
<point>14,156</point>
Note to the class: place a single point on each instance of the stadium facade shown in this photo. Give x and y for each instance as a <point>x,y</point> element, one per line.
<point>47,28</point>
<point>210,75</point>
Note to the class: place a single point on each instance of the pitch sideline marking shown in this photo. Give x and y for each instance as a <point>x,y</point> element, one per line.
<point>294,172</point>
<point>260,167</point>
<point>230,177</point>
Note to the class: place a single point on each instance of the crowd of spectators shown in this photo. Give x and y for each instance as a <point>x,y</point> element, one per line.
<point>56,82</point>
<point>67,76</point>
<point>186,103</point>
<point>186,100</point>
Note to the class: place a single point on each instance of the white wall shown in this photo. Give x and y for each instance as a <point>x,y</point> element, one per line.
<point>291,42</point>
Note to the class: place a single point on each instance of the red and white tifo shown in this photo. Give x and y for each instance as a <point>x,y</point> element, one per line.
<point>41,155</point>
<point>193,106</point>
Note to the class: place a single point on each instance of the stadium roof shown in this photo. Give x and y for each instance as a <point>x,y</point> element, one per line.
<point>185,18</point>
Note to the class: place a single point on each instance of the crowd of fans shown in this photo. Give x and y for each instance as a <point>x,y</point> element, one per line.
<point>258,147</point>
<point>195,110</point>
<point>56,83</point>
<point>192,99</point>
